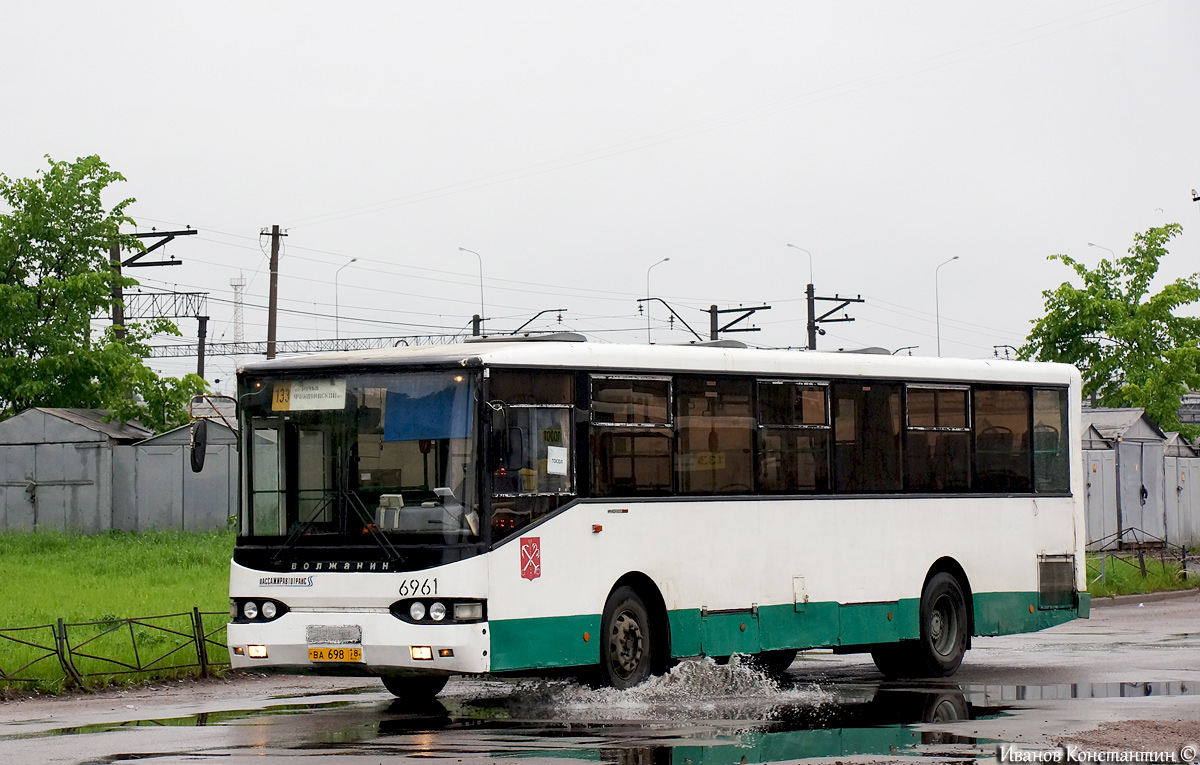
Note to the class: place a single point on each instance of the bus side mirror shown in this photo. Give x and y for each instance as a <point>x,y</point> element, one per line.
<point>199,444</point>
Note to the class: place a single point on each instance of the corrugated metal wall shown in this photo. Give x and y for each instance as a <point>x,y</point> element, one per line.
<point>57,486</point>
<point>1182,489</point>
<point>1100,475</point>
<point>168,495</point>
<point>60,475</point>
<point>1170,507</point>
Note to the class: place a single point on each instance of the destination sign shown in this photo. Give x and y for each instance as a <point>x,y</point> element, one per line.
<point>308,395</point>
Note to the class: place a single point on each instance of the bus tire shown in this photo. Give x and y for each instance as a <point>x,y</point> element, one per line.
<point>627,643</point>
<point>944,626</point>
<point>894,660</point>
<point>414,687</point>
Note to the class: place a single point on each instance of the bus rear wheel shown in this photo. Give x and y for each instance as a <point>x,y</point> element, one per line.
<point>943,642</point>
<point>414,687</point>
<point>773,663</point>
<point>894,660</point>
<point>627,640</point>
<point>944,626</point>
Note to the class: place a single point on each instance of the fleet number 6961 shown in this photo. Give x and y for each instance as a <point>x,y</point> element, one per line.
<point>418,587</point>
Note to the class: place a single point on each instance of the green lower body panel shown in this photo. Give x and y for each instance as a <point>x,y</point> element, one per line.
<point>552,641</point>
<point>568,641</point>
<point>1007,613</point>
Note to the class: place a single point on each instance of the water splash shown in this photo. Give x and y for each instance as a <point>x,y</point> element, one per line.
<point>693,688</point>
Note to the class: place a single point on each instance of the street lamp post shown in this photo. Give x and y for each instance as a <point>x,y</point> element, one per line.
<point>811,298</point>
<point>652,265</point>
<point>1092,244</point>
<point>809,254</point>
<point>937,305</point>
<point>476,254</point>
<point>337,319</point>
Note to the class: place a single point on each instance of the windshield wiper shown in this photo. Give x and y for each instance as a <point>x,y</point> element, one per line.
<point>352,500</point>
<point>389,550</point>
<point>300,530</point>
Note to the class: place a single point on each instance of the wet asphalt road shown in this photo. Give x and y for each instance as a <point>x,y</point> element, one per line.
<point>1129,662</point>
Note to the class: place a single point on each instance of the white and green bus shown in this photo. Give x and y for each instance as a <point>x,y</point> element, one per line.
<point>550,504</point>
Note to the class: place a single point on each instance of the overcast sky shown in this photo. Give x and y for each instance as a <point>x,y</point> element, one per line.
<point>575,145</point>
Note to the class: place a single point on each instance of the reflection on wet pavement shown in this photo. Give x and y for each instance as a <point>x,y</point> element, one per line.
<point>701,712</point>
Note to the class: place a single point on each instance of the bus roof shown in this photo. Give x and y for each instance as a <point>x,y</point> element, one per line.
<point>650,359</point>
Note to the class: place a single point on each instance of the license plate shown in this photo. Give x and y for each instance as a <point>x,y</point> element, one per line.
<point>335,654</point>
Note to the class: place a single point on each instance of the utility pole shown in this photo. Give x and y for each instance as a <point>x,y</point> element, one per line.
<point>200,335</point>
<point>812,316</point>
<point>114,255</point>
<point>814,320</point>
<point>714,322</point>
<point>475,322</point>
<point>118,293</point>
<point>273,300</point>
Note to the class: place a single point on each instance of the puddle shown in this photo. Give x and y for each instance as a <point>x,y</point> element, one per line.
<point>203,719</point>
<point>1005,694</point>
<point>700,712</point>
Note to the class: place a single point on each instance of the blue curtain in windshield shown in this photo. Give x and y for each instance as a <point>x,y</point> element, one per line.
<point>427,407</point>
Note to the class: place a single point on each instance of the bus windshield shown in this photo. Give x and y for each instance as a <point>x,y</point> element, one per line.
<point>386,455</point>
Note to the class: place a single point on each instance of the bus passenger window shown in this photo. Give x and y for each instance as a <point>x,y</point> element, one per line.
<point>530,451</point>
<point>1051,448</point>
<point>514,386</point>
<point>714,436</point>
<point>1002,449</point>
<point>938,447</point>
<point>630,463</point>
<point>631,401</point>
<point>793,437</point>
<point>866,432</point>
<point>631,436</point>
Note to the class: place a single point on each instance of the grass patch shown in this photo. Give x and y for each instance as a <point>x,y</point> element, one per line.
<point>1123,575</point>
<point>108,579</point>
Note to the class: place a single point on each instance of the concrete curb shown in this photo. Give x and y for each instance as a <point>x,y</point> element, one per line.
<point>1147,597</point>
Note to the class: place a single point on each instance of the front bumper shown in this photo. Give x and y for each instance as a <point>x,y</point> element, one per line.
<point>385,642</point>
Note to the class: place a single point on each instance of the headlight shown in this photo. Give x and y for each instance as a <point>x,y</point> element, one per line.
<point>437,611</point>
<point>417,611</point>
<point>250,610</point>
<point>269,610</point>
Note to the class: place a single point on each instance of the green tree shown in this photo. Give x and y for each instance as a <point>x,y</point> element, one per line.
<point>1133,348</point>
<point>55,279</point>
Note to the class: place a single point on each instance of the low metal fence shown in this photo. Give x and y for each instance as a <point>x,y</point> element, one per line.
<point>107,648</point>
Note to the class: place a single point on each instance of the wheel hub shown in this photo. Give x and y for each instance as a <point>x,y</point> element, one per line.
<point>626,648</point>
<point>943,626</point>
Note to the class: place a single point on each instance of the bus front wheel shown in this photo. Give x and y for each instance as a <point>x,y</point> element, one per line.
<point>414,688</point>
<point>944,625</point>
<point>627,642</point>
